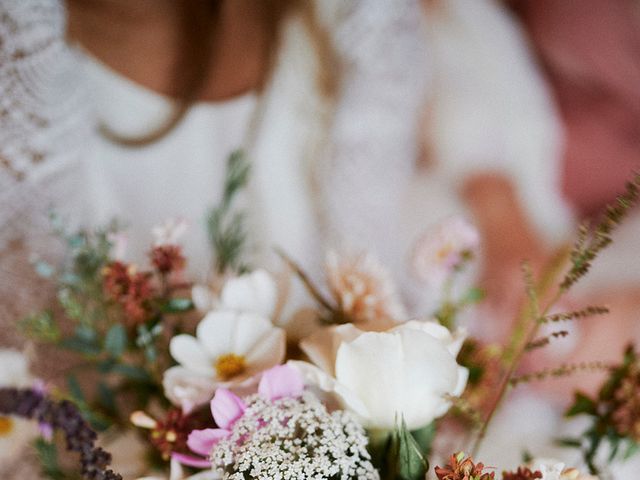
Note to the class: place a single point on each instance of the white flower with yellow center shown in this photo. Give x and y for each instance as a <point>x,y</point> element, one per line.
<point>15,433</point>
<point>228,350</point>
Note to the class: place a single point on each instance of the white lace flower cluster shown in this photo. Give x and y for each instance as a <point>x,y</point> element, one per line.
<point>293,438</point>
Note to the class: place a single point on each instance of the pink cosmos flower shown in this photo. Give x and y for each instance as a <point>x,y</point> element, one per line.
<point>227,408</point>
<point>440,251</point>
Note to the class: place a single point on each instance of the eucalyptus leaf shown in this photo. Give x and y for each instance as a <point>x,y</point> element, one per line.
<point>44,269</point>
<point>115,341</point>
<point>178,305</point>
<point>81,345</point>
<point>132,372</point>
<point>106,397</point>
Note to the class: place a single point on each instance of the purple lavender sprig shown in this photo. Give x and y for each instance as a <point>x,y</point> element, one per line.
<point>64,416</point>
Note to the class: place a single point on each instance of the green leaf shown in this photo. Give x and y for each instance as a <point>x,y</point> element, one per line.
<point>105,366</point>
<point>81,345</point>
<point>424,437</point>
<point>227,232</point>
<point>178,305</point>
<point>75,390</point>
<point>44,269</point>
<point>569,442</point>
<point>106,397</point>
<point>87,333</point>
<point>582,405</point>
<point>115,341</point>
<point>406,458</point>
<point>41,327</point>
<point>70,304</point>
<point>632,449</point>
<point>48,456</point>
<point>473,295</point>
<point>132,372</point>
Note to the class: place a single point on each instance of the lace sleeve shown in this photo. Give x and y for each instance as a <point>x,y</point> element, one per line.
<point>43,124</point>
<point>373,139</point>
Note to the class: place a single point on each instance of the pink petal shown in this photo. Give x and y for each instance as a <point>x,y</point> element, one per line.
<point>46,431</point>
<point>203,441</point>
<point>191,461</point>
<point>281,381</point>
<point>226,408</point>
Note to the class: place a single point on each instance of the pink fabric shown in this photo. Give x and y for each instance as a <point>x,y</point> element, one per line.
<point>591,50</point>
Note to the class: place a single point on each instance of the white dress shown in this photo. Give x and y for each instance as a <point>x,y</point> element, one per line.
<point>180,176</point>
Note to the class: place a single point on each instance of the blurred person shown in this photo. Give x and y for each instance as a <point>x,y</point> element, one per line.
<point>128,110</point>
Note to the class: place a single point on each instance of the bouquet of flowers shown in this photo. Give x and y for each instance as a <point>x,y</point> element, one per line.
<point>213,388</point>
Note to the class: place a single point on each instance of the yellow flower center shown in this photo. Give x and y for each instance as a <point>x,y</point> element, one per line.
<point>229,365</point>
<point>6,426</point>
<point>444,252</point>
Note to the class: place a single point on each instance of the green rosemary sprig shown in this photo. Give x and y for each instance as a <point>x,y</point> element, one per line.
<point>226,227</point>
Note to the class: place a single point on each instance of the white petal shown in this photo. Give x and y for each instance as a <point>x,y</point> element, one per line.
<point>314,376</point>
<point>453,342</point>
<point>22,433</point>
<point>14,368</point>
<point>267,352</point>
<point>400,374</point>
<point>322,346</point>
<point>206,475</point>
<point>250,330</point>
<point>188,352</point>
<point>364,366</point>
<point>203,298</point>
<point>463,378</point>
<point>430,373</point>
<point>255,292</point>
<point>187,389</point>
<point>216,332</point>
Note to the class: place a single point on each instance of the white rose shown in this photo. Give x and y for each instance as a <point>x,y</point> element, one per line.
<point>404,373</point>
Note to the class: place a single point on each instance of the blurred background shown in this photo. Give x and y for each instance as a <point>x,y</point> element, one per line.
<point>366,122</point>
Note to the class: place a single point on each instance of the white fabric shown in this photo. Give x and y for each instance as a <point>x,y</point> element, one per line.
<point>179,176</point>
